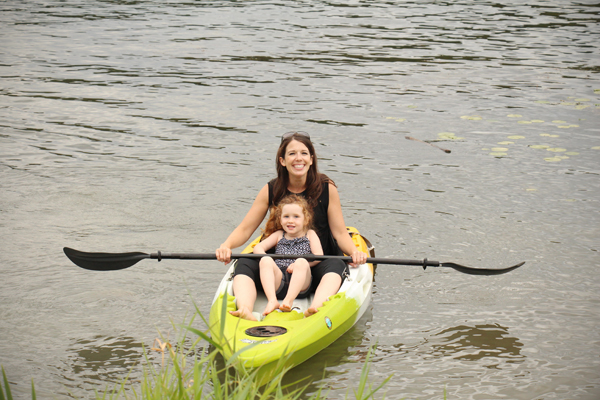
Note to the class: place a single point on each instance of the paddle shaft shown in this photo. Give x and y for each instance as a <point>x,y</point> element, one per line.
<point>308,257</point>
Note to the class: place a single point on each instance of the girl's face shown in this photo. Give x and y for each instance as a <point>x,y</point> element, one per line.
<point>297,159</point>
<point>292,220</point>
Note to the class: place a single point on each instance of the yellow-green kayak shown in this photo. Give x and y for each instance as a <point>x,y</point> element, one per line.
<point>286,339</point>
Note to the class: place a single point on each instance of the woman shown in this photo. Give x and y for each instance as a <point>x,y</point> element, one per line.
<point>297,173</point>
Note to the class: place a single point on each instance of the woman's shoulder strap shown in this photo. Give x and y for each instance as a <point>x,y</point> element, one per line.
<point>324,197</point>
<point>271,192</point>
<point>326,186</point>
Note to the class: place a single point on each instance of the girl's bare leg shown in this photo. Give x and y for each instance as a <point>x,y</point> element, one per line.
<point>270,277</point>
<point>330,284</point>
<point>300,281</point>
<point>245,295</point>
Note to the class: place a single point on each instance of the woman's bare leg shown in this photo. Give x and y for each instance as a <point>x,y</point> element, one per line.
<point>244,291</point>
<point>330,284</point>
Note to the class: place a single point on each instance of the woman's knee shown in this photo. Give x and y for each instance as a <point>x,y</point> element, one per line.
<point>243,284</point>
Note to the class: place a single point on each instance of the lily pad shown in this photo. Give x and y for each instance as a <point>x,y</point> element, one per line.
<point>596,148</point>
<point>537,121</point>
<point>506,142</point>
<point>472,117</point>
<point>557,121</point>
<point>539,146</point>
<point>514,116</point>
<point>516,137</point>
<point>524,122</point>
<point>498,154</point>
<point>572,153</point>
<point>553,159</point>
<point>556,149</point>
<point>531,190</point>
<point>448,136</point>
<point>499,149</point>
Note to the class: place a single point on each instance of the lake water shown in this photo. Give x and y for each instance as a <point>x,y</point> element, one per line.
<point>151,125</point>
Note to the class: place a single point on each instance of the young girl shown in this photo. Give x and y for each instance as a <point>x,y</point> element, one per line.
<point>288,230</point>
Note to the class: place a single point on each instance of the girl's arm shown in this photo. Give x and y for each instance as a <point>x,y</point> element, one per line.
<point>246,228</point>
<point>268,243</point>
<point>338,228</point>
<point>315,246</point>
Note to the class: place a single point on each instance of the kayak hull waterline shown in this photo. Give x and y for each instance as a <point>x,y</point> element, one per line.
<point>286,339</point>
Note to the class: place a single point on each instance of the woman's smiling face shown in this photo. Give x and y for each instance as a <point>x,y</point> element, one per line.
<point>297,159</point>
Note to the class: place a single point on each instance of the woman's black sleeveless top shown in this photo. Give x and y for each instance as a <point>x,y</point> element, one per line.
<point>320,220</point>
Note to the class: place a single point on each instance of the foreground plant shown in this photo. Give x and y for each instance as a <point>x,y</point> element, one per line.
<point>188,371</point>
<point>5,394</point>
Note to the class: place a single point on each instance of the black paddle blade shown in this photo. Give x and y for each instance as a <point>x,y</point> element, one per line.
<point>480,271</point>
<point>103,261</point>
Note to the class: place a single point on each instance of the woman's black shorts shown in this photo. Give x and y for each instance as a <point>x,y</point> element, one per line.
<point>250,267</point>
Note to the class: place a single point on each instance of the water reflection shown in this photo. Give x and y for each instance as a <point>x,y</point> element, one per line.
<point>473,343</point>
<point>104,359</point>
<point>331,365</point>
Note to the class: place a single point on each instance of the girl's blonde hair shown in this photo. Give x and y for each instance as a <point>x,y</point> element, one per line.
<point>274,222</point>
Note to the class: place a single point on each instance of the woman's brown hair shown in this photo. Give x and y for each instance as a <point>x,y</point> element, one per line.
<point>314,179</point>
<point>274,222</point>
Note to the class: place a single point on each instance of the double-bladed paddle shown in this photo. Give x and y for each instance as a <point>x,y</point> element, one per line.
<point>117,261</point>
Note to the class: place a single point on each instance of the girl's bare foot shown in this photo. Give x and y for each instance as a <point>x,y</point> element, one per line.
<point>310,311</point>
<point>243,313</point>
<point>271,306</point>
<point>285,307</point>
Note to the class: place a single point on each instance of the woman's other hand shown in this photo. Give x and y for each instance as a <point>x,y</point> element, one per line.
<point>358,258</point>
